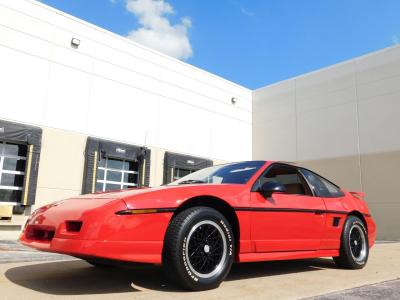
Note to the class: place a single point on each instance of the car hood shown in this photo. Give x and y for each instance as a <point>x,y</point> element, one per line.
<point>169,195</point>
<point>123,194</point>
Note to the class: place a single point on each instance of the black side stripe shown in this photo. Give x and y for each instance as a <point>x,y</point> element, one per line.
<point>300,210</point>
<point>254,209</point>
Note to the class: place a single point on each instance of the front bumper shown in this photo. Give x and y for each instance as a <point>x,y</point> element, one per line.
<point>102,233</point>
<point>135,251</point>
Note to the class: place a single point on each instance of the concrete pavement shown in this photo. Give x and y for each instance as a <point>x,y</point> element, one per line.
<point>11,251</point>
<point>384,290</point>
<point>76,279</point>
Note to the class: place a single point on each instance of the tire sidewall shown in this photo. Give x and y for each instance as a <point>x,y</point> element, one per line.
<point>191,278</point>
<point>350,223</point>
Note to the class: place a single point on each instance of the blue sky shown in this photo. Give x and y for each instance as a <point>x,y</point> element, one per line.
<point>252,43</point>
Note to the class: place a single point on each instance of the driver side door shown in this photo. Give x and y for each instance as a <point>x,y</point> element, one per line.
<point>290,221</point>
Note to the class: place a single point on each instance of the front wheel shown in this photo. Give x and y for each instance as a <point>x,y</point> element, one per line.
<point>198,249</point>
<point>354,246</point>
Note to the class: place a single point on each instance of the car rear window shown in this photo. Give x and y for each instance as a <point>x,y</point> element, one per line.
<point>321,186</point>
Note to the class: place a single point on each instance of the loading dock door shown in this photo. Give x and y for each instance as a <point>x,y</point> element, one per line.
<point>113,166</point>
<point>12,171</point>
<point>20,147</point>
<point>177,165</point>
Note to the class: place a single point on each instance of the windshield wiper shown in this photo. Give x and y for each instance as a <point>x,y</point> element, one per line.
<point>190,181</point>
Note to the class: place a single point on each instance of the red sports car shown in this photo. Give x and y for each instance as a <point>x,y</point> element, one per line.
<point>197,226</point>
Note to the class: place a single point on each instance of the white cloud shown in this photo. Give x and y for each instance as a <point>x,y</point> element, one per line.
<point>156,30</point>
<point>247,12</point>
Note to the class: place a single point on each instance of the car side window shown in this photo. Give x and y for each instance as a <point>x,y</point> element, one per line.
<point>289,177</point>
<point>321,186</point>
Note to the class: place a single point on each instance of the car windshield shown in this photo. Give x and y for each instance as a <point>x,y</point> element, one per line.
<point>238,173</point>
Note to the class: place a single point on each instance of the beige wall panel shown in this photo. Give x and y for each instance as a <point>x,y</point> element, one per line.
<point>317,102</point>
<point>276,102</point>
<point>387,220</point>
<point>274,122</point>
<point>47,195</point>
<point>380,177</point>
<point>328,133</point>
<point>157,167</point>
<point>379,120</point>
<point>273,90</point>
<point>343,171</point>
<point>325,81</point>
<point>379,65</point>
<point>61,160</point>
<point>275,139</point>
<point>366,91</point>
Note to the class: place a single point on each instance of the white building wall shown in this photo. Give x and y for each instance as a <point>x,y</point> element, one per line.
<point>113,88</point>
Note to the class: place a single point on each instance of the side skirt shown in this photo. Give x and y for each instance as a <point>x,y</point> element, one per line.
<point>253,257</point>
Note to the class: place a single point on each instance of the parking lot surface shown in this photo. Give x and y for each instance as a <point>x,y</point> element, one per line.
<point>76,279</point>
<point>383,290</point>
<point>11,251</point>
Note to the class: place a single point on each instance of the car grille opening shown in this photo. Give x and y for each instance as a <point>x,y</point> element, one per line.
<point>39,234</point>
<point>73,226</point>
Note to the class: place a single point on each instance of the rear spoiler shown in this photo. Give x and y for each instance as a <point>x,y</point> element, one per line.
<point>359,195</point>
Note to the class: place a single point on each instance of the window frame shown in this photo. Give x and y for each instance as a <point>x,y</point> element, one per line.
<point>342,194</point>
<point>256,185</point>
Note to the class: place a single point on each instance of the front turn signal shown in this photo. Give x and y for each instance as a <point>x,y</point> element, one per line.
<point>144,211</point>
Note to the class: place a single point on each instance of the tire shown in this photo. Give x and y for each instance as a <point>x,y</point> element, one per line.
<point>198,249</point>
<point>354,245</point>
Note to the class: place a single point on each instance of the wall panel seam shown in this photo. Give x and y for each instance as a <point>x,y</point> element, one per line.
<point>358,125</point>
<point>296,119</point>
<point>131,43</point>
<point>135,87</point>
<point>127,69</point>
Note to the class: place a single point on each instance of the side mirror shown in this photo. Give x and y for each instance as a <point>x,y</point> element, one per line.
<point>268,188</point>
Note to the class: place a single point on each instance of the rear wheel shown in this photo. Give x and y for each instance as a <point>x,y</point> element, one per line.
<point>354,246</point>
<point>198,249</point>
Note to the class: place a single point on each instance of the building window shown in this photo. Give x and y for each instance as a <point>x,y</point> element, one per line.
<point>115,174</point>
<point>12,171</point>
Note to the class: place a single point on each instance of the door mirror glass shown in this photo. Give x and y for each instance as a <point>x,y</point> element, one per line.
<point>270,187</point>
